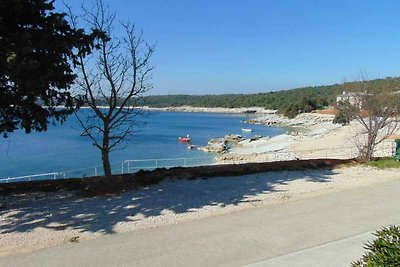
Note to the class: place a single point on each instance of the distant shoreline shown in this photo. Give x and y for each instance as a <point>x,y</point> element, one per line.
<point>244,110</point>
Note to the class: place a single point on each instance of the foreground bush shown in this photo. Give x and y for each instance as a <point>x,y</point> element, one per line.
<point>383,251</point>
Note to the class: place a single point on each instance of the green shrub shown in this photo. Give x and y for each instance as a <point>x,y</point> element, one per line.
<point>383,251</point>
<point>291,111</point>
<point>383,163</point>
<point>345,113</point>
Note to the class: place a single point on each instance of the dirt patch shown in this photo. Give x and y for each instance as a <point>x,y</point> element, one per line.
<point>326,111</point>
<point>93,186</point>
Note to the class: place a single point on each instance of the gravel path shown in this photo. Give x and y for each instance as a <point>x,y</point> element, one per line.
<point>40,220</point>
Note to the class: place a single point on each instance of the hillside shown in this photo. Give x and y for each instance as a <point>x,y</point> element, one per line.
<point>286,101</point>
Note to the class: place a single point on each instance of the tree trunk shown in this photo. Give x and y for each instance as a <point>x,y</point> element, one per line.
<point>106,162</point>
<point>370,152</point>
<point>105,152</point>
<point>367,150</point>
<point>371,146</point>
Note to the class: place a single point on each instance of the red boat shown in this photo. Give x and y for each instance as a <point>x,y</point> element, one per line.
<point>184,139</point>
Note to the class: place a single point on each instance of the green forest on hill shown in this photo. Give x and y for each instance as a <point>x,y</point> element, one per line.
<point>287,102</point>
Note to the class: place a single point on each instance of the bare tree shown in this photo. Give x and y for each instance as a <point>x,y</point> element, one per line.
<point>112,81</point>
<point>378,113</point>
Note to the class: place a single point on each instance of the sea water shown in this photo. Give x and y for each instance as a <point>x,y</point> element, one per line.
<point>62,148</point>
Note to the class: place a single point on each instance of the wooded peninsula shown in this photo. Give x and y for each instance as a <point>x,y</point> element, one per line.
<point>287,102</point>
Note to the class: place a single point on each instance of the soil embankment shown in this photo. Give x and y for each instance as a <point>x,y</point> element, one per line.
<point>93,186</point>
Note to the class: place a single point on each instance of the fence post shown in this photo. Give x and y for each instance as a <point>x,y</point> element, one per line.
<point>129,167</point>
<point>184,162</point>
<point>122,167</point>
<point>156,163</point>
<point>95,171</point>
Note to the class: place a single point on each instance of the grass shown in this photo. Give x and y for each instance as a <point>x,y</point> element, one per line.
<point>383,163</point>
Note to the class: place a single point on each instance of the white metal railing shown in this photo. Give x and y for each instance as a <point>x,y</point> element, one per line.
<point>82,172</point>
<point>127,166</point>
<point>54,175</point>
<point>130,166</point>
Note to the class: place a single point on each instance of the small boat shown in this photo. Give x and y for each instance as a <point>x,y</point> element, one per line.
<point>186,139</point>
<point>247,130</point>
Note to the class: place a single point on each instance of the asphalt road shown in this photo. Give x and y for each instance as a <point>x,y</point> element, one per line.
<point>285,234</point>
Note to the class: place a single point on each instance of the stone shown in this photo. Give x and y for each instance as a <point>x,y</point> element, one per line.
<point>233,138</point>
<point>218,145</point>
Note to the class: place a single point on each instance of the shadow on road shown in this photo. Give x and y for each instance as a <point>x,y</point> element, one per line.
<point>61,210</point>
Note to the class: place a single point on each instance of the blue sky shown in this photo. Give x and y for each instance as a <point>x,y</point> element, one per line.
<point>228,46</point>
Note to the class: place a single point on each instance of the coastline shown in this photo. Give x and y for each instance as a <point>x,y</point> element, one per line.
<point>244,110</point>
<point>309,135</point>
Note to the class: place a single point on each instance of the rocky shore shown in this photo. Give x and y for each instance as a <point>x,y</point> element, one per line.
<point>309,135</point>
<point>304,120</point>
<point>220,145</point>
